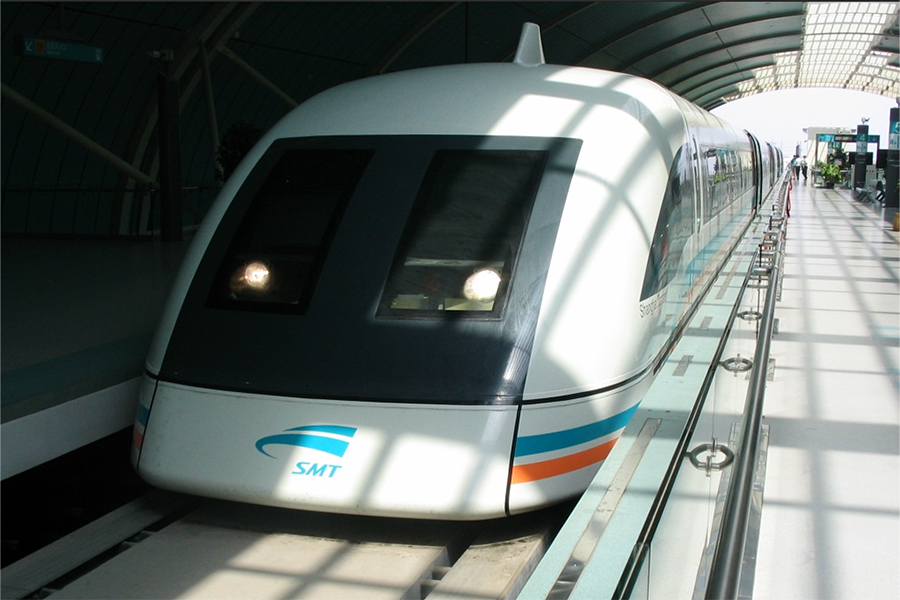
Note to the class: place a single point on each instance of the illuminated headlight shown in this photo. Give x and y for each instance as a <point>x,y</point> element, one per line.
<point>482,285</point>
<point>254,275</point>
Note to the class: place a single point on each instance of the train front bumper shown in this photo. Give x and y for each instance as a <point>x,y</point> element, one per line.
<point>384,459</point>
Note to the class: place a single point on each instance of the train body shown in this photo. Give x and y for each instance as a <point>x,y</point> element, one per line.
<point>441,293</point>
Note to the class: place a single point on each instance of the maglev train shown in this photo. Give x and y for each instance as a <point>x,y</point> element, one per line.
<point>441,293</point>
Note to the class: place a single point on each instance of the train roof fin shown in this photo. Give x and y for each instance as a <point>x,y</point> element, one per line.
<point>531,51</point>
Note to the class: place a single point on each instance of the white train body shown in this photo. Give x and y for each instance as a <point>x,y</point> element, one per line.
<point>375,390</point>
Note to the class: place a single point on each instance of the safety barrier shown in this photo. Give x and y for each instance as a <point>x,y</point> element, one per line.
<point>728,557</point>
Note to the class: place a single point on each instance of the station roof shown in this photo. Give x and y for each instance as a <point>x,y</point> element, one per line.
<point>850,45</point>
<point>265,57</point>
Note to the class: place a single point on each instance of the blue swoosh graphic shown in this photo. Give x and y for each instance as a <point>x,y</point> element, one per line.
<point>336,429</point>
<point>557,440</point>
<point>311,440</point>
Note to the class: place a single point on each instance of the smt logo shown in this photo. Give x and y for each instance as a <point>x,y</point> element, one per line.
<point>331,439</point>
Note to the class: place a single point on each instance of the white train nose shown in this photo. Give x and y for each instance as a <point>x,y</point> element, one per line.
<point>448,462</point>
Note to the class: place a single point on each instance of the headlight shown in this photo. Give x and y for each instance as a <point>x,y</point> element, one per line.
<point>256,274</point>
<point>253,275</point>
<point>482,285</point>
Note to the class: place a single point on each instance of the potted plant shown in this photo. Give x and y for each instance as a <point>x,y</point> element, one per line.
<point>831,174</point>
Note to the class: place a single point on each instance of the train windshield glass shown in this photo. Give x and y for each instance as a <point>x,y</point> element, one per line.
<point>277,252</point>
<point>463,235</point>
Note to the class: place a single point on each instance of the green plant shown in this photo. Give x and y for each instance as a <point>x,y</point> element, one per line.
<point>831,173</point>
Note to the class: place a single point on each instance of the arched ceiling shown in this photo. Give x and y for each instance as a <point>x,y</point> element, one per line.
<point>265,57</point>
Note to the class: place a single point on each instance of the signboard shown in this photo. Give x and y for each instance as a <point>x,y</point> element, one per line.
<point>49,48</point>
<point>862,142</point>
<point>837,137</point>
<point>894,136</point>
<point>862,138</point>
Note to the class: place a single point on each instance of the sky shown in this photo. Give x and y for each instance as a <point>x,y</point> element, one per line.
<point>779,117</point>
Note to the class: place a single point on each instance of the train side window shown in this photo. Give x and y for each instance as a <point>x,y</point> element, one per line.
<point>456,255</point>
<point>276,254</point>
<point>673,227</point>
<point>722,181</point>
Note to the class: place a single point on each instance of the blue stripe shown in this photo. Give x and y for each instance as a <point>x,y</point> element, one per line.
<point>143,414</point>
<point>557,440</point>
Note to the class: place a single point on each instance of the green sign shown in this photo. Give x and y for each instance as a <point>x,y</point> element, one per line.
<point>47,48</point>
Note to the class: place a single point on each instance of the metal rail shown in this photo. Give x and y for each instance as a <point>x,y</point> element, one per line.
<point>727,561</point>
<point>642,546</point>
<point>632,569</point>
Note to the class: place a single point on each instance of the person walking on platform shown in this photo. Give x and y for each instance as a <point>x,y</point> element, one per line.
<point>803,166</point>
<point>795,167</point>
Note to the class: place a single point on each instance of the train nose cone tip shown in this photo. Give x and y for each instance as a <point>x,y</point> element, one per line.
<point>530,52</point>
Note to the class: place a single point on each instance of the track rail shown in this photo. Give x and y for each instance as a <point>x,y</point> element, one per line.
<point>167,545</point>
<point>38,573</point>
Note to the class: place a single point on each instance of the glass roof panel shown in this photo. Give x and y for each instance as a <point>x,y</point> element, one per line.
<point>838,50</point>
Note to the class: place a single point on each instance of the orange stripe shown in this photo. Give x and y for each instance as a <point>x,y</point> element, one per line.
<point>565,464</point>
<point>137,438</point>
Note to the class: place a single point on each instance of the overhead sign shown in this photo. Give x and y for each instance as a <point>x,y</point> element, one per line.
<point>49,48</point>
<point>837,137</point>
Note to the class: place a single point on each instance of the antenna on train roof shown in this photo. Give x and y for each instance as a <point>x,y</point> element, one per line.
<point>530,52</point>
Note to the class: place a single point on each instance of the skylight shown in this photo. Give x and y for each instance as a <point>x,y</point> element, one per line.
<point>838,50</point>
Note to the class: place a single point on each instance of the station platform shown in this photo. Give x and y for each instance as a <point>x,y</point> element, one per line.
<point>831,509</point>
<point>77,319</point>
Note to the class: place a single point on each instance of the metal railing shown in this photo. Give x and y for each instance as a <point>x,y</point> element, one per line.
<point>728,557</point>
<point>642,546</point>
<point>766,259</point>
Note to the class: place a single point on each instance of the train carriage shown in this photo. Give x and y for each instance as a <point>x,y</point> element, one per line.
<point>441,293</point>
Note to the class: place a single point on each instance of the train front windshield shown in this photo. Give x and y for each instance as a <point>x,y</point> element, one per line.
<point>464,233</point>
<point>279,247</point>
<point>344,266</point>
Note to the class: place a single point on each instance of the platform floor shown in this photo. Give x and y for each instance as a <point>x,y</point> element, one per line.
<point>831,509</point>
